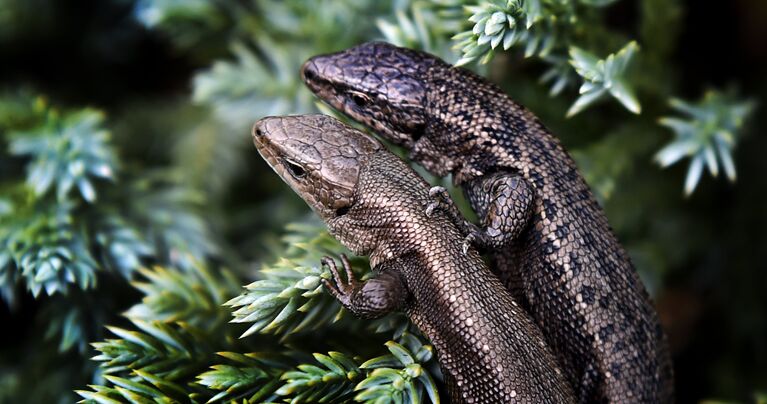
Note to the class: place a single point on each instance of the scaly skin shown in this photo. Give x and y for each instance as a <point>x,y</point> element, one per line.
<point>550,240</point>
<point>488,347</point>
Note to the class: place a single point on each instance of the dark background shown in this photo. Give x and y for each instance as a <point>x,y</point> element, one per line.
<point>94,53</point>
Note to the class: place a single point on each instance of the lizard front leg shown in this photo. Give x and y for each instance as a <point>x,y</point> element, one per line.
<point>374,298</point>
<point>441,200</point>
<point>503,201</point>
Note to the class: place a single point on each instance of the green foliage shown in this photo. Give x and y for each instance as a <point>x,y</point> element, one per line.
<point>244,379</point>
<point>175,333</point>
<point>545,29</point>
<point>173,296</point>
<point>179,347</point>
<point>169,216</point>
<point>75,224</point>
<point>400,376</point>
<point>540,27</point>
<point>188,23</point>
<point>290,297</point>
<point>707,136</point>
<point>250,87</point>
<point>423,25</point>
<point>47,251</point>
<point>548,30</point>
<point>42,242</point>
<point>332,380</point>
<point>530,24</point>
<point>603,76</point>
<point>70,150</point>
<point>52,241</point>
<point>171,12</point>
<point>121,244</point>
<point>606,163</point>
<point>70,323</point>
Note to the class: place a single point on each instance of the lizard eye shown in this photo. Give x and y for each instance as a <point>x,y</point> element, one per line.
<point>359,99</point>
<point>295,170</point>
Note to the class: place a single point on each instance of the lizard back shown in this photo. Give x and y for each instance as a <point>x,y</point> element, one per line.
<point>489,348</point>
<point>574,275</point>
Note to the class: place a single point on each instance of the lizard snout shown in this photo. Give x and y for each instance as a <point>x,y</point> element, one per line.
<point>264,126</point>
<point>309,71</point>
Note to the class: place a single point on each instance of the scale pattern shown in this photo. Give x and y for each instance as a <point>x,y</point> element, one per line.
<point>488,347</point>
<point>565,264</point>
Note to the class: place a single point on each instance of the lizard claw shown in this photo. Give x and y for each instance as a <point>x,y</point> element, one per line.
<point>476,238</point>
<point>440,195</point>
<point>340,289</point>
<point>437,192</point>
<point>467,242</point>
<point>431,208</point>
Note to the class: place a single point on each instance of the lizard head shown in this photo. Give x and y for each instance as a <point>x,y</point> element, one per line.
<point>318,157</point>
<point>386,88</point>
<point>377,84</point>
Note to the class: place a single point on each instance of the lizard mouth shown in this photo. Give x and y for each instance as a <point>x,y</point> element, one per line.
<point>290,172</point>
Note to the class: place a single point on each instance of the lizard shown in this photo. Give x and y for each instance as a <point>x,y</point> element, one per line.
<point>547,236</point>
<point>488,347</point>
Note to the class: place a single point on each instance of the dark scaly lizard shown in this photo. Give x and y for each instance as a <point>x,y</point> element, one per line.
<point>550,241</point>
<point>373,202</point>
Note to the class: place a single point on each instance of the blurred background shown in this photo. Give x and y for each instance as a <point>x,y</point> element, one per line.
<point>131,196</point>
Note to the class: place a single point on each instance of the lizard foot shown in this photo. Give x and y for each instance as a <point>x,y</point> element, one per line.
<point>442,201</point>
<point>340,289</point>
<point>476,238</point>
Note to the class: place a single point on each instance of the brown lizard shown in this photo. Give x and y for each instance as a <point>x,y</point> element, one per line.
<point>549,238</point>
<point>488,347</point>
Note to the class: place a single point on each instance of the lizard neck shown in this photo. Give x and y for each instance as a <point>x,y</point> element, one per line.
<point>464,114</point>
<point>383,218</point>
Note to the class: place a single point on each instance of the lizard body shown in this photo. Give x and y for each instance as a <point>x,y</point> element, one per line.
<point>487,346</point>
<point>549,238</point>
